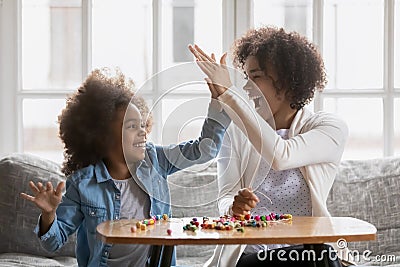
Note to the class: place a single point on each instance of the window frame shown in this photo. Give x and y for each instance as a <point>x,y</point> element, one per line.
<point>237,18</point>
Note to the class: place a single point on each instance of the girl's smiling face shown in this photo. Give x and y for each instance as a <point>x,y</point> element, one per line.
<point>129,136</point>
<point>134,135</point>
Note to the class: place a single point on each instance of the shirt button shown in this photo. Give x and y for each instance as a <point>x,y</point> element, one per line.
<point>92,213</point>
<point>116,217</point>
<point>105,253</point>
<point>117,196</point>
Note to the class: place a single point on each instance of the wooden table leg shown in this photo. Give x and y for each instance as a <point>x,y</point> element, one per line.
<point>155,256</point>
<point>167,256</point>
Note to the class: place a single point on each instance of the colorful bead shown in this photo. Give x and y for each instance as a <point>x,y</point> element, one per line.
<point>240,229</point>
<point>169,231</point>
<point>239,222</point>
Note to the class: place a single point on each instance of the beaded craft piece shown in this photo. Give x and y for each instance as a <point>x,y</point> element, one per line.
<point>228,222</point>
<point>142,225</point>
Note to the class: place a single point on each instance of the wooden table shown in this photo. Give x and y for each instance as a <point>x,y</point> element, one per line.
<point>302,230</point>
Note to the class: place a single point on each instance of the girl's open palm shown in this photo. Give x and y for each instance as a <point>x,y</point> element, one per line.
<point>44,196</point>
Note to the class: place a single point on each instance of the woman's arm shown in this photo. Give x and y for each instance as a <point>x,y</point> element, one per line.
<point>237,166</point>
<point>228,173</point>
<point>324,142</point>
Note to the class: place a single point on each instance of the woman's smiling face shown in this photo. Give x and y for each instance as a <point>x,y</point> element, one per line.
<point>261,86</point>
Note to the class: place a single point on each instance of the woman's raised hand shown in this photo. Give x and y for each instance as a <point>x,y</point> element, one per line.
<point>44,196</point>
<point>218,79</point>
<point>244,202</point>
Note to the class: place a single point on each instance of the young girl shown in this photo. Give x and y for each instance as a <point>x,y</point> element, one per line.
<point>113,171</point>
<point>300,150</point>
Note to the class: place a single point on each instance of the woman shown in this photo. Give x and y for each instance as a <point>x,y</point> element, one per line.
<point>300,150</point>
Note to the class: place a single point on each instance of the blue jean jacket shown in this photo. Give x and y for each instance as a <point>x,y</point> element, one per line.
<point>91,196</point>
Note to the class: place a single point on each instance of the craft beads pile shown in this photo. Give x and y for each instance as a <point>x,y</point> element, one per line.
<point>142,225</point>
<point>228,222</point>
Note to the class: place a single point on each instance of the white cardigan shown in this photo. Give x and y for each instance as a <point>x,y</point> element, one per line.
<point>315,146</point>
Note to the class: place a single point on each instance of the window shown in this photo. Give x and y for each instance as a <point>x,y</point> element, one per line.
<point>291,15</point>
<point>352,41</point>
<point>51,45</point>
<point>397,126</point>
<point>63,40</point>
<point>119,41</point>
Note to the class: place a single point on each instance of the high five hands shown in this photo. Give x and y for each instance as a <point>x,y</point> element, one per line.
<point>218,79</point>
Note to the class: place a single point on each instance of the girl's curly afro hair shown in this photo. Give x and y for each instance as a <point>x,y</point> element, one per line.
<point>297,61</point>
<point>85,121</point>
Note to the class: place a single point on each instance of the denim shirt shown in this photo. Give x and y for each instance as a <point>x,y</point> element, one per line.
<point>91,196</point>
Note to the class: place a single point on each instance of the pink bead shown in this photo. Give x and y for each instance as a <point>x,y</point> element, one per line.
<point>169,231</point>
<point>257,217</point>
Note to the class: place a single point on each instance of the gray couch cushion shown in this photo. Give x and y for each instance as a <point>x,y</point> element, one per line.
<point>369,190</point>
<point>26,260</point>
<point>194,191</point>
<point>18,216</point>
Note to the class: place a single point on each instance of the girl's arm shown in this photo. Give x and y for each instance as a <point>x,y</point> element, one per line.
<point>58,219</point>
<point>47,199</point>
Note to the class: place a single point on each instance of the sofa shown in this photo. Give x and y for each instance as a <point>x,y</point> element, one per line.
<point>364,189</point>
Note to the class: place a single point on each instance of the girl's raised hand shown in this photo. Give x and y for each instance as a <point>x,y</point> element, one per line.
<point>44,196</point>
<point>218,79</point>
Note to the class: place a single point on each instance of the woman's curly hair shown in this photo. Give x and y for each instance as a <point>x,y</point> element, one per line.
<point>297,62</point>
<point>85,121</point>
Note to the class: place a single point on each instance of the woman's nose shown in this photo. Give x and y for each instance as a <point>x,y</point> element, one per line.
<point>248,86</point>
<point>143,132</point>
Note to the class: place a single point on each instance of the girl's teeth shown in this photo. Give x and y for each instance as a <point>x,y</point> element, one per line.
<point>139,145</point>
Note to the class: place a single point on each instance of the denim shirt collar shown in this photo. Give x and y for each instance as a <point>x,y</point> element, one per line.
<point>102,174</point>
